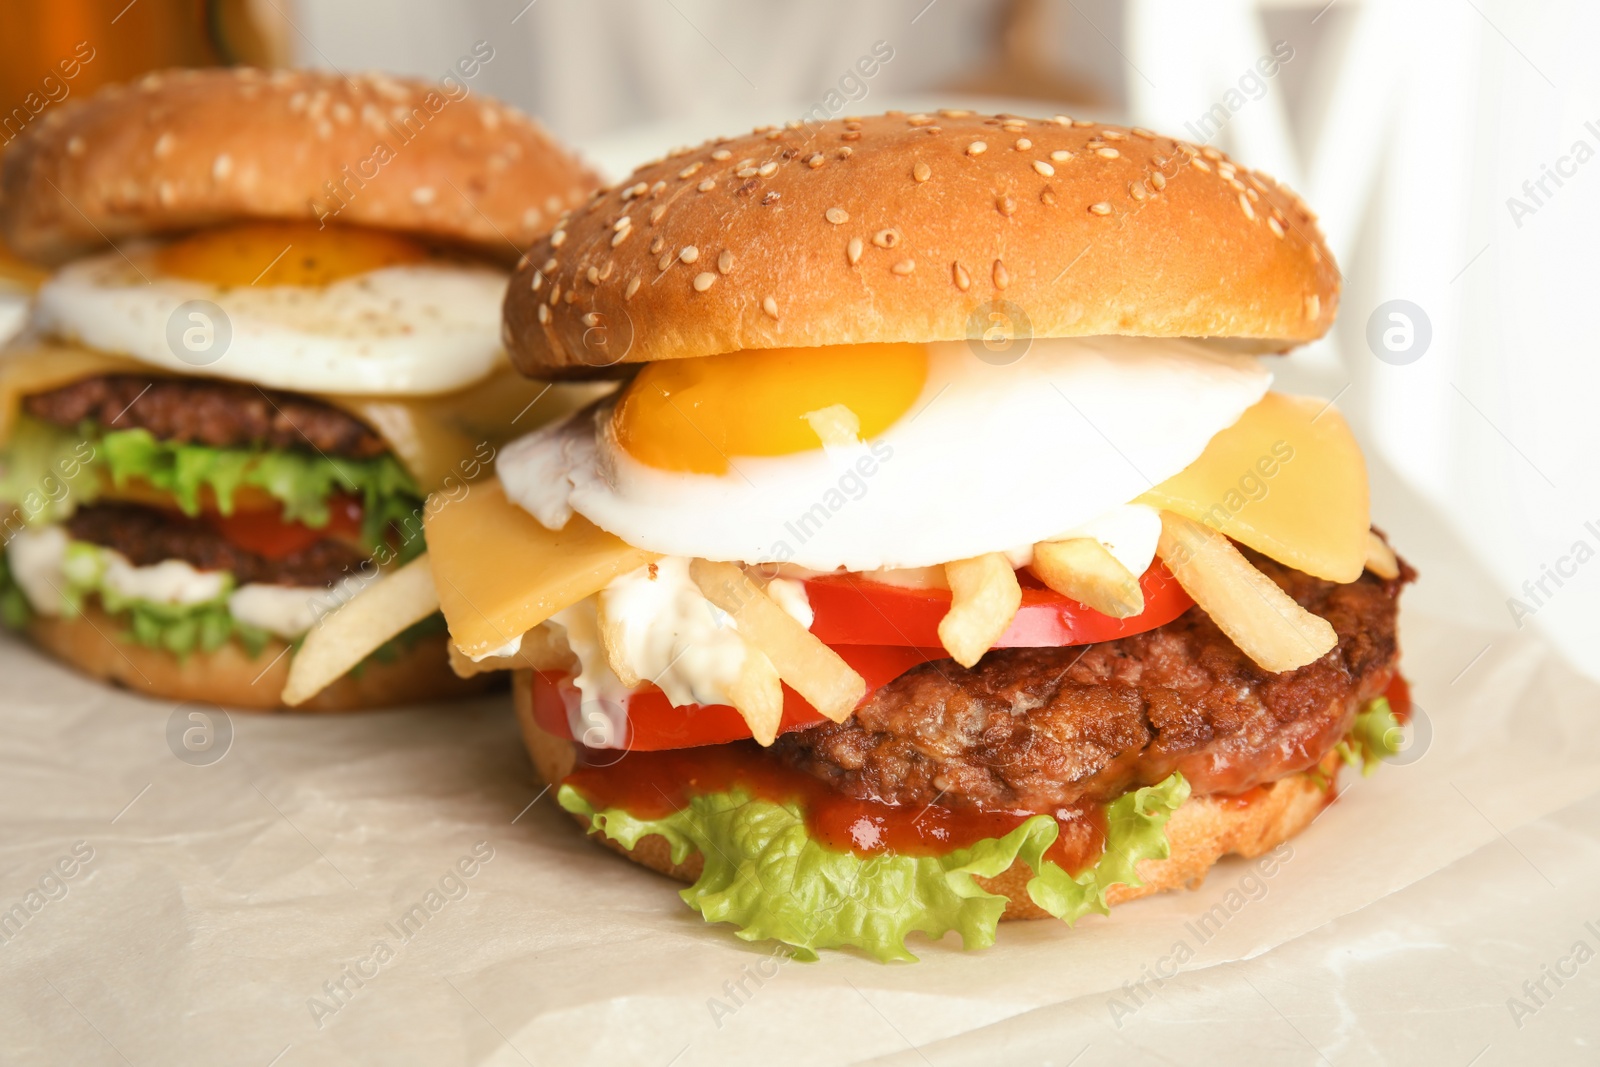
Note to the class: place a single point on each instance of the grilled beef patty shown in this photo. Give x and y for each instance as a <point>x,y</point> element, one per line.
<point>1038,728</point>
<point>148,536</point>
<point>207,411</point>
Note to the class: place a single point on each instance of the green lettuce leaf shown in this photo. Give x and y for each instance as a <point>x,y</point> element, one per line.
<point>1375,736</point>
<point>764,873</point>
<point>46,471</point>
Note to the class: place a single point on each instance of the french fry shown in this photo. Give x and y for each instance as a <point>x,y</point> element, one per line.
<point>1260,618</point>
<point>357,628</point>
<point>984,596</point>
<point>1083,570</point>
<point>758,695</point>
<point>542,650</point>
<point>1381,558</point>
<point>814,670</point>
<point>614,641</point>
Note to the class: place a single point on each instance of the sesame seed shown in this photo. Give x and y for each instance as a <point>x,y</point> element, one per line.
<point>922,172</point>
<point>707,185</point>
<point>1158,180</point>
<point>689,254</point>
<point>1113,135</point>
<point>770,306</point>
<point>1023,144</point>
<point>1199,164</point>
<point>703,281</point>
<point>904,267</point>
<point>633,287</point>
<point>959,275</point>
<point>724,262</point>
<point>1277,230</point>
<point>977,148</point>
<point>1044,168</point>
<point>657,245</point>
<point>1002,277</point>
<point>1107,153</point>
<point>1101,208</point>
<point>621,224</point>
<point>1211,153</point>
<point>1048,196</point>
<point>918,120</point>
<point>591,318</point>
<point>638,189</point>
<point>721,154</point>
<point>1140,131</point>
<point>621,236</point>
<point>1253,195</point>
<point>837,215</point>
<point>1244,204</point>
<point>537,282</point>
<point>745,172</point>
<point>544,314</point>
<point>886,238</point>
<point>1061,155</point>
<point>558,238</point>
<point>1136,190</point>
<point>1062,120</point>
<point>954,113</point>
<point>767,170</point>
<point>1080,123</point>
<point>852,251</point>
<point>691,169</point>
<point>853,135</point>
<point>845,152</point>
<point>549,265</point>
<point>592,275</point>
<point>1005,205</point>
<point>665,261</point>
<point>817,160</point>
<point>555,293</point>
<point>1313,305</point>
<point>572,296</point>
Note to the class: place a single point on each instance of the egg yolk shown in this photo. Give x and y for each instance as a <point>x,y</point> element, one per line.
<point>693,414</point>
<point>284,253</point>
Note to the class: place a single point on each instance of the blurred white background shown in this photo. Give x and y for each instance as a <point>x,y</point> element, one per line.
<point>1447,144</point>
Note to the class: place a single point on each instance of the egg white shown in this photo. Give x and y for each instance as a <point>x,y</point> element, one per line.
<point>413,329</point>
<point>990,458</point>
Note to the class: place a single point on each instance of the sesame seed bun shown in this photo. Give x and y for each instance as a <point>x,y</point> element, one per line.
<point>183,149</point>
<point>911,228</point>
<point>231,678</point>
<point>1202,831</point>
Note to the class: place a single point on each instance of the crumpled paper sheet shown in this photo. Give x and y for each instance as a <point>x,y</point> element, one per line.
<point>395,888</point>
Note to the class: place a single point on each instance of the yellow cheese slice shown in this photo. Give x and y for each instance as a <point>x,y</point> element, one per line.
<point>500,573</point>
<point>1288,480</point>
<point>436,438</point>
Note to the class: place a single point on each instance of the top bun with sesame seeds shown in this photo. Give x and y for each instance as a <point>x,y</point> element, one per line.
<point>179,150</point>
<point>909,228</point>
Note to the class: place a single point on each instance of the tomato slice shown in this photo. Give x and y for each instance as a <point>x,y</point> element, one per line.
<point>654,724</point>
<point>852,611</point>
<point>266,534</point>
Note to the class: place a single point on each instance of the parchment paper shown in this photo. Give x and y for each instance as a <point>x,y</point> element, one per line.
<point>216,900</point>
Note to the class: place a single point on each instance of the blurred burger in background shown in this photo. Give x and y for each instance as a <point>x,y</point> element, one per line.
<point>270,329</point>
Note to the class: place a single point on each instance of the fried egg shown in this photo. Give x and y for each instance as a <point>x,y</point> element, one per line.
<point>286,305</point>
<point>867,457</point>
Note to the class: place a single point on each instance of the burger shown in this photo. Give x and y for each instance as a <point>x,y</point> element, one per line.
<point>270,329</point>
<point>945,555</point>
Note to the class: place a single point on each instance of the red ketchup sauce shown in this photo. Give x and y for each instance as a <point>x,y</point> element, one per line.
<point>653,785</point>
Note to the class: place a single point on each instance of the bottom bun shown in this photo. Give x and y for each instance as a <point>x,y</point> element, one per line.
<point>1200,832</point>
<point>231,677</point>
